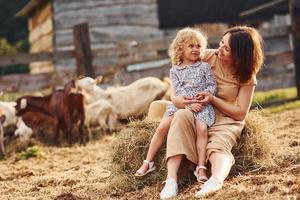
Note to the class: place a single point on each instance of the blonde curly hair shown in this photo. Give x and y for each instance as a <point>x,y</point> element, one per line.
<point>182,37</point>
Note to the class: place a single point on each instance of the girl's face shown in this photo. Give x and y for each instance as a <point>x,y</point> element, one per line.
<point>224,49</point>
<point>191,52</point>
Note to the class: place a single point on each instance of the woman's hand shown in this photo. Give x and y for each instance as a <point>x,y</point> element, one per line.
<point>182,101</point>
<point>204,97</point>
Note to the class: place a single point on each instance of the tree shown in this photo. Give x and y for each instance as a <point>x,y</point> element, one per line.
<point>12,28</point>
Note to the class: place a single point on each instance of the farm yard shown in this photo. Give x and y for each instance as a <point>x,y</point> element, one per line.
<point>85,172</point>
<point>77,79</point>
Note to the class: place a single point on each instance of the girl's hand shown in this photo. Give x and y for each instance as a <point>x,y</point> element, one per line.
<point>181,101</point>
<point>195,107</point>
<point>204,98</point>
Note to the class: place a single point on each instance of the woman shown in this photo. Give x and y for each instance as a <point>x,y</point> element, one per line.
<point>234,64</point>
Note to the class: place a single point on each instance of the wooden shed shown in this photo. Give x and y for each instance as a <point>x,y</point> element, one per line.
<point>41,32</point>
<point>110,22</point>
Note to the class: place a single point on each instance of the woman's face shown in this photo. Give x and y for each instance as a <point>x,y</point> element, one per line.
<point>224,49</point>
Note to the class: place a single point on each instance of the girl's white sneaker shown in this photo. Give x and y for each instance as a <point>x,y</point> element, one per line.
<point>170,190</point>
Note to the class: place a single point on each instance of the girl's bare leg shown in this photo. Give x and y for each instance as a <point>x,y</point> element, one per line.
<point>157,141</point>
<point>201,142</point>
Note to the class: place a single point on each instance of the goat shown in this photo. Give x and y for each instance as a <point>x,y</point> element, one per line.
<point>8,118</point>
<point>23,131</point>
<point>132,100</point>
<point>101,113</point>
<point>66,107</point>
<point>39,121</point>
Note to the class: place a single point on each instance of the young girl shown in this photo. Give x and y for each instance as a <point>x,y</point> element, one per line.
<point>189,76</point>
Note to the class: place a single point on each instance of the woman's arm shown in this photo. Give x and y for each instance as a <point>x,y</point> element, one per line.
<point>236,111</point>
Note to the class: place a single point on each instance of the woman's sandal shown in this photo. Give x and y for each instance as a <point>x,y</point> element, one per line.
<point>151,168</point>
<point>200,179</point>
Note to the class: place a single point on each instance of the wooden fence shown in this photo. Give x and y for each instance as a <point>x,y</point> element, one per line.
<point>277,72</point>
<point>124,53</point>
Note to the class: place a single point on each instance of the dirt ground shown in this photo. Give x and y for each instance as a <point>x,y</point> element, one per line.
<point>82,172</point>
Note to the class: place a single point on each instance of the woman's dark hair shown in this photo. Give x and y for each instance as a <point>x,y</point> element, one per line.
<point>246,50</point>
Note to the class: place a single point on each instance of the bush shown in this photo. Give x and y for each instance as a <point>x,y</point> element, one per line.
<point>8,49</point>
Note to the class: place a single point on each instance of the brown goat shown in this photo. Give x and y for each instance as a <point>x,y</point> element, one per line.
<point>40,123</point>
<point>66,107</point>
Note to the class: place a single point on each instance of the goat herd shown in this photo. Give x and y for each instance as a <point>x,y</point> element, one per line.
<point>80,103</point>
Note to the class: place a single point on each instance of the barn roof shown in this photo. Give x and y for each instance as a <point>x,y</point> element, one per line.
<point>174,13</point>
<point>31,7</point>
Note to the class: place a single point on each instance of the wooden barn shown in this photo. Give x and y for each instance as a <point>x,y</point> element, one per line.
<point>130,22</point>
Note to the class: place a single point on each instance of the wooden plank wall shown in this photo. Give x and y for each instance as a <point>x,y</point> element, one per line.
<point>278,71</point>
<point>110,22</point>
<point>26,82</point>
<point>41,38</point>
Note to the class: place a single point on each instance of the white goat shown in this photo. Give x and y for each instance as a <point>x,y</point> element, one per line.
<point>9,111</point>
<point>101,113</point>
<point>129,101</point>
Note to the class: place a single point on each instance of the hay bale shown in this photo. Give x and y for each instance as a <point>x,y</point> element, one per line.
<point>128,152</point>
<point>254,150</point>
<point>257,147</point>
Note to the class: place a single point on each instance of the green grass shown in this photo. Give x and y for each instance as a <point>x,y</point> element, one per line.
<point>263,97</point>
<point>30,152</point>
<point>283,107</point>
<point>11,96</point>
<point>276,95</point>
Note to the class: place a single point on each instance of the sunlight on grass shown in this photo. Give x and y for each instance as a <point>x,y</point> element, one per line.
<point>11,96</point>
<point>262,97</point>
<point>283,107</point>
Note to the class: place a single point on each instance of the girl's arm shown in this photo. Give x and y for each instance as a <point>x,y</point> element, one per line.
<point>236,111</point>
<point>179,101</point>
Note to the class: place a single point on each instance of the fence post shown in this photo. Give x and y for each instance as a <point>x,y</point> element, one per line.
<point>83,52</point>
<point>294,6</point>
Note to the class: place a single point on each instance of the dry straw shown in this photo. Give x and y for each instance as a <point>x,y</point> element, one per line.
<point>128,151</point>
<point>257,147</point>
<point>255,150</point>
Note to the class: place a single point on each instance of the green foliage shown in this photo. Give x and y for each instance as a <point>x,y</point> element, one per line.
<point>30,152</point>
<point>13,28</point>
<point>13,34</point>
<point>8,49</point>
